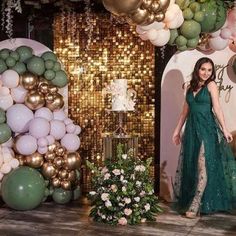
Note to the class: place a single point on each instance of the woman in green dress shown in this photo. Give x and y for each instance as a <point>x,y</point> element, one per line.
<point>206,174</point>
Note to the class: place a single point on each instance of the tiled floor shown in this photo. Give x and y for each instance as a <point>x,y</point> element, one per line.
<point>72,219</point>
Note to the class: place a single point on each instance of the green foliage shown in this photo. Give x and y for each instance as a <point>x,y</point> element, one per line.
<point>123,193</point>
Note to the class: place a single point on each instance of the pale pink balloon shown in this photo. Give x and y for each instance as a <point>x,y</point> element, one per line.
<point>42,150</point>
<point>68,121</point>
<point>163,38</point>
<point>14,163</point>
<point>77,130</point>
<point>18,94</point>
<point>144,36</point>
<point>216,33</point>
<point>6,102</point>
<point>231,19</point>
<point>42,142</point>
<point>4,91</point>
<point>71,142</point>
<point>58,129</point>
<point>39,127</point>
<point>18,117</point>
<point>10,78</point>
<point>5,168</point>
<point>59,115</point>
<point>140,30</point>
<point>50,139</point>
<point>218,43</point>
<point>225,33</point>
<point>70,128</point>
<point>152,34</point>
<point>45,113</point>
<point>26,144</point>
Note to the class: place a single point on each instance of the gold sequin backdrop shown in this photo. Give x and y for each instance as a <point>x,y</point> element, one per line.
<point>93,58</point>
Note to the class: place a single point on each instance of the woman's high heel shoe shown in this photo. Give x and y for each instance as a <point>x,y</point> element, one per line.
<point>192,215</point>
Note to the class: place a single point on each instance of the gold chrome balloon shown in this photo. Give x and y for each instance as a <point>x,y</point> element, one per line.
<point>139,16</point>
<point>66,184</point>
<point>57,102</point>
<point>72,176</point>
<point>28,80</point>
<point>56,183</point>
<point>164,4</point>
<point>203,43</point>
<point>49,156</point>
<point>121,7</point>
<point>34,160</point>
<point>49,98</point>
<point>150,19</point>
<point>48,170</point>
<point>58,162</point>
<point>72,161</point>
<point>147,4</point>
<point>21,159</point>
<point>53,89</point>
<point>60,151</point>
<point>63,174</point>
<point>52,147</point>
<point>43,88</point>
<point>159,16</point>
<point>34,100</point>
<point>155,6</point>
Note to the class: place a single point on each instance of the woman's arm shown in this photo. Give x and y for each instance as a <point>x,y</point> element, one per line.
<point>182,119</point>
<point>212,88</point>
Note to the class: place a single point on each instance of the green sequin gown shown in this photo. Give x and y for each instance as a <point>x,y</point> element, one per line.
<point>202,128</point>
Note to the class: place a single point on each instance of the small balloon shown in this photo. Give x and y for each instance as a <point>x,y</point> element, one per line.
<point>34,100</point>
<point>28,80</point>
<point>72,161</point>
<point>34,160</point>
<point>56,183</point>
<point>49,171</point>
<point>63,174</point>
<point>57,102</point>
<point>66,184</point>
<point>58,162</point>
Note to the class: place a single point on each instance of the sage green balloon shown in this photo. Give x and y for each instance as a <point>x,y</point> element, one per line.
<point>25,53</point>
<point>5,133</point>
<point>23,188</point>
<point>76,193</point>
<point>60,79</point>
<point>15,55</point>
<point>61,196</point>
<point>19,67</point>
<point>2,116</point>
<point>4,53</point>
<point>49,56</point>
<point>3,66</point>
<point>10,61</point>
<point>36,65</point>
<point>49,64</point>
<point>57,66</point>
<point>49,74</point>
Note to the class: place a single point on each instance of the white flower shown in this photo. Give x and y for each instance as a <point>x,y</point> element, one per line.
<point>122,171</point>
<point>124,181</point>
<point>104,170</point>
<point>122,221</point>
<point>140,168</point>
<point>92,193</point>
<point>128,211</point>
<point>105,196</point>
<point>121,178</point>
<point>138,183</point>
<point>137,199</point>
<point>121,204</point>
<point>147,207</point>
<point>107,176</point>
<point>108,203</point>
<point>123,189</point>
<point>116,172</point>
<point>127,200</point>
<point>103,217</point>
<point>132,176</point>
<point>143,220</point>
<point>114,188</point>
<point>118,198</point>
<point>142,193</point>
<point>124,156</point>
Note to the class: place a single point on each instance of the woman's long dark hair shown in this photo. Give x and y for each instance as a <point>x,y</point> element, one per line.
<point>195,75</point>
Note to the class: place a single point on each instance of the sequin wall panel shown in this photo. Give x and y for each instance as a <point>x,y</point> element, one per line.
<point>95,50</point>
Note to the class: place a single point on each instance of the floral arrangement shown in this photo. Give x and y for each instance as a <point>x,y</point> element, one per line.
<point>123,191</point>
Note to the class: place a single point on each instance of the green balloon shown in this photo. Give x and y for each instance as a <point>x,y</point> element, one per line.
<point>10,61</point>
<point>2,116</point>
<point>3,66</point>
<point>49,64</point>
<point>49,74</point>
<point>36,65</point>
<point>60,79</point>
<point>57,66</point>
<point>19,67</point>
<point>5,133</point>
<point>61,196</point>
<point>15,55</point>
<point>76,193</point>
<point>49,56</point>
<point>25,53</point>
<point>173,35</point>
<point>190,29</point>
<point>192,43</point>
<point>4,53</point>
<point>23,188</point>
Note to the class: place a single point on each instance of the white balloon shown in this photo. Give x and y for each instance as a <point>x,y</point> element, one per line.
<point>59,115</point>
<point>152,34</point>
<point>18,117</point>
<point>143,36</point>
<point>171,13</point>
<point>71,142</point>
<point>14,163</point>
<point>58,129</point>
<point>163,38</point>
<point>70,128</point>
<point>155,25</point>
<point>225,33</point>
<point>4,91</point>
<point>42,142</point>
<point>176,22</point>
<point>10,78</point>
<point>39,127</point>
<point>68,121</point>
<point>18,94</point>
<point>77,130</point>
<point>216,33</point>
<point>45,113</point>
<point>7,157</point>
<point>42,150</point>
<point>218,43</point>
<point>50,139</point>
<point>139,29</point>
<point>6,102</point>
<point>6,168</point>
<point>26,145</point>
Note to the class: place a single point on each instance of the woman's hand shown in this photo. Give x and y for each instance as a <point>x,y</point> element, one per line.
<point>228,136</point>
<point>176,138</point>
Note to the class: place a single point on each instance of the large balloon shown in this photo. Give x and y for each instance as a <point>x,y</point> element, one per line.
<point>49,56</point>
<point>26,145</point>
<point>60,80</point>
<point>18,117</point>
<point>39,127</point>
<point>23,188</point>
<point>10,79</point>
<point>24,52</point>
<point>58,129</point>
<point>71,142</point>
<point>61,196</point>
<point>36,65</point>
